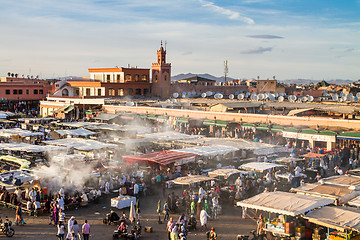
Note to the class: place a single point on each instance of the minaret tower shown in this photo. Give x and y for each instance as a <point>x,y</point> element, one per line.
<point>161,75</point>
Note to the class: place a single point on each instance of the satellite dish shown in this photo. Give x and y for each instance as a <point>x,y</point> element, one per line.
<point>183,95</point>
<point>304,99</point>
<point>247,94</point>
<point>350,97</point>
<point>356,99</point>
<point>261,97</point>
<point>310,98</point>
<point>241,96</point>
<point>276,94</point>
<point>130,104</point>
<point>193,93</point>
<point>175,95</point>
<point>220,96</point>
<point>203,95</point>
<point>272,97</point>
<point>174,101</point>
<point>358,95</point>
<point>281,99</point>
<point>231,96</point>
<point>163,105</point>
<point>208,93</point>
<point>216,96</point>
<point>342,94</point>
<point>335,97</point>
<point>237,93</point>
<point>293,98</point>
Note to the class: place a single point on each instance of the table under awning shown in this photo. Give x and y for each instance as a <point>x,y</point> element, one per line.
<point>339,218</point>
<point>286,203</point>
<point>162,157</point>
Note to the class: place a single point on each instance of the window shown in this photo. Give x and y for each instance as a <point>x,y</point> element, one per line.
<point>118,78</point>
<point>7,91</point>
<point>65,92</point>
<point>138,91</point>
<point>156,78</point>
<point>15,91</point>
<point>41,91</point>
<point>77,92</point>
<point>146,91</point>
<point>121,92</point>
<point>165,78</point>
<point>108,77</point>
<point>144,77</point>
<point>128,77</point>
<point>88,92</point>
<point>27,91</point>
<point>99,92</point>
<point>20,91</point>
<point>130,91</point>
<point>137,77</point>
<point>111,92</point>
<point>35,91</point>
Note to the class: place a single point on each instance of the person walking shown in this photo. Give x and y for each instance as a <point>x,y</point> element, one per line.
<point>86,230</point>
<point>61,231</point>
<point>75,231</point>
<point>203,218</point>
<point>70,225</point>
<point>18,215</point>
<point>166,211</point>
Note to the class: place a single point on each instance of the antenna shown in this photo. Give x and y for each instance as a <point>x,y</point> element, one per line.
<point>165,45</point>
<point>226,69</point>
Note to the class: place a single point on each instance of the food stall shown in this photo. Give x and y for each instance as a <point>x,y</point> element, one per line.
<point>285,206</point>
<point>342,223</point>
<point>314,164</point>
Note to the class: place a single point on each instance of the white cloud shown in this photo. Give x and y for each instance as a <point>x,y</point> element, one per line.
<point>224,11</point>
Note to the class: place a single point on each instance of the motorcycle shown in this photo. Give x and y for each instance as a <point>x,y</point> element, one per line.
<point>6,228</point>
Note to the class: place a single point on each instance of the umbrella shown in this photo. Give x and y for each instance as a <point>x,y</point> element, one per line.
<point>132,211</point>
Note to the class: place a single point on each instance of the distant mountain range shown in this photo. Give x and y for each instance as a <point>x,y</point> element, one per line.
<point>290,81</point>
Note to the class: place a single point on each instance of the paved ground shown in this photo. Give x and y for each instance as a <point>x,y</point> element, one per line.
<point>227,226</point>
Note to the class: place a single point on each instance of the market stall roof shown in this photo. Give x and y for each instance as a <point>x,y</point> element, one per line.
<point>24,147</point>
<point>340,218</point>
<point>226,172</point>
<point>342,193</point>
<point>18,132</point>
<point>191,179</point>
<point>213,150</point>
<point>343,180</point>
<point>260,166</point>
<point>106,116</point>
<point>288,159</point>
<point>78,124</point>
<point>24,175</point>
<point>286,203</point>
<point>354,202</point>
<point>72,157</point>
<point>75,132</point>
<point>162,157</point>
<point>313,155</point>
<point>297,111</point>
<point>168,136</point>
<point>80,144</point>
<point>22,163</point>
<point>271,150</point>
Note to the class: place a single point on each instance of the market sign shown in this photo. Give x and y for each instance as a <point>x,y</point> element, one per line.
<point>306,136</point>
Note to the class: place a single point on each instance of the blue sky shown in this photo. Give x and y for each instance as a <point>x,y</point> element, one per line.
<point>318,39</point>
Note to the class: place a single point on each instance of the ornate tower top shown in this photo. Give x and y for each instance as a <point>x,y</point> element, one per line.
<point>161,54</point>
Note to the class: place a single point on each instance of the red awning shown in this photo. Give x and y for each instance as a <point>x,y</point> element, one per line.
<point>162,157</point>
<point>313,155</point>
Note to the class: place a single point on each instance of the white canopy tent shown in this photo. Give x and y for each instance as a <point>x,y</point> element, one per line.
<point>168,136</point>
<point>226,172</point>
<point>80,144</point>
<point>286,203</point>
<point>213,150</point>
<point>288,160</point>
<point>75,132</point>
<point>24,147</point>
<point>340,218</point>
<point>260,166</point>
<point>18,132</point>
<point>191,179</point>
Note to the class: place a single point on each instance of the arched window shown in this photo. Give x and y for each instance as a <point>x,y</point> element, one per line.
<point>144,77</point>
<point>128,77</point>
<point>137,77</point>
<point>130,91</point>
<point>65,92</point>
